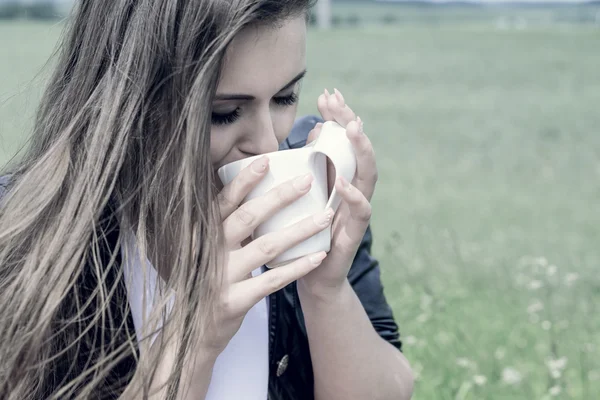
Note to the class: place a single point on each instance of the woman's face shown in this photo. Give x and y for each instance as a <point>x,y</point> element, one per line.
<point>257,96</point>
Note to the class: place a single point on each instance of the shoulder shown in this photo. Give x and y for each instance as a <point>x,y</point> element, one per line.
<point>299,133</point>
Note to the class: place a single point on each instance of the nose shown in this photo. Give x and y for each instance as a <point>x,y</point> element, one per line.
<point>262,135</point>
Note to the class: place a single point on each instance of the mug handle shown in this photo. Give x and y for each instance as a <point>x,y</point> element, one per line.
<point>334,144</point>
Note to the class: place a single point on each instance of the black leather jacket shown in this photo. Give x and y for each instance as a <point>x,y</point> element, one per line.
<point>290,368</point>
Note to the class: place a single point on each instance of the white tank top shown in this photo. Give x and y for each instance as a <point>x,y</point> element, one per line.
<point>241,371</point>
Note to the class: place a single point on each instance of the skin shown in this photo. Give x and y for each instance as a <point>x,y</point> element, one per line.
<point>262,66</point>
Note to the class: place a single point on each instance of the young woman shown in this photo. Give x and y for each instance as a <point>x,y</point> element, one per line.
<point>125,267</point>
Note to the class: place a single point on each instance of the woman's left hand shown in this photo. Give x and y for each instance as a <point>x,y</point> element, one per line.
<point>354,213</point>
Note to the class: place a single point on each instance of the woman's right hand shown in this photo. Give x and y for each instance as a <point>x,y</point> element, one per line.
<point>240,290</point>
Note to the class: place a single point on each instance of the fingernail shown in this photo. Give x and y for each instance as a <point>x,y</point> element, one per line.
<point>327,92</point>
<point>302,183</point>
<point>317,259</point>
<point>360,124</point>
<point>339,97</point>
<point>260,165</point>
<point>324,218</point>
<point>318,125</point>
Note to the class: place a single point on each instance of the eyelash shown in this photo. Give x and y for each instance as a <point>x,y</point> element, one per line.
<point>224,119</point>
<point>230,118</point>
<point>287,100</point>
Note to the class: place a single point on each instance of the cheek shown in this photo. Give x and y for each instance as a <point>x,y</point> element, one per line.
<point>221,142</point>
<point>283,121</point>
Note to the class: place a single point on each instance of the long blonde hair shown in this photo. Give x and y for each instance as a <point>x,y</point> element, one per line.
<point>121,144</point>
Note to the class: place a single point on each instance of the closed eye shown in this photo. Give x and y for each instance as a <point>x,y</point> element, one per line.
<point>227,118</point>
<point>286,100</point>
<point>231,117</point>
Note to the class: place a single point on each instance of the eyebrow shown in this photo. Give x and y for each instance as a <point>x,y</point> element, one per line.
<point>236,96</point>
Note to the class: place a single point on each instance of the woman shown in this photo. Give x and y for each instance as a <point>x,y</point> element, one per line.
<point>149,99</point>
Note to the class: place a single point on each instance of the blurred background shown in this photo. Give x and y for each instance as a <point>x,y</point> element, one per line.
<point>485,118</point>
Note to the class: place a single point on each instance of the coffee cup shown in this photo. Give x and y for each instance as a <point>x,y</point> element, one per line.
<point>284,165</point>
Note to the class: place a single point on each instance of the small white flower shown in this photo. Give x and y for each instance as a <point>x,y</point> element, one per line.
<point>555,391</point>
<point>535,307</point>
<point>511,376</point>
<point>558,364</point>
<point>500,353</point>
<point>546,325</point>
<point>463,362</point>
<point>535,284</point>
<point>479,380</point>
<point>410,340</point>
<point>570,278</point>
<point>551,270</point>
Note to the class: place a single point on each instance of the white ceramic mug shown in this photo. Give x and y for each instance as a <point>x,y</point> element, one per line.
<point>284,165</point>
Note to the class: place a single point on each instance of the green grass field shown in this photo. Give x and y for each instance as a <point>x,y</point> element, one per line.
<point>486,215</point>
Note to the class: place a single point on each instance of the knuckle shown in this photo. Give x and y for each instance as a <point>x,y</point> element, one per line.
<point>282,193</point>
<point>342,245</point>
<point>366,144</point>
<point>373,154</point>
<point>275,281</point>
<point>250,180</point>
<point>244,216</point>
<point>267,247</point>
<point>365,213</point>
<point>224,200</point>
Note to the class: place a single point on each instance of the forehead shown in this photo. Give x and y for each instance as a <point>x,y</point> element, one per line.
<point>263,59</point>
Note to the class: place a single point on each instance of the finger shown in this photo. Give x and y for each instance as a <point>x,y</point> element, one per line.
<point>323,106</point>
<point>315,132</point>
<point>243,221</point>
<point>235,191</point>
<point>366,167</point>
<point>359,211</point>
<point>269,246</point>
<point>340,111</point>
<point>250,291</point>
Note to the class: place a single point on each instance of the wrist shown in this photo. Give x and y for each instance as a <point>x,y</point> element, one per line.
<point>322,294</point>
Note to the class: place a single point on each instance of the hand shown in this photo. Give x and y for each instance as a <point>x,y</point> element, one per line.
<point>240,290</point>
<point>354,213</point>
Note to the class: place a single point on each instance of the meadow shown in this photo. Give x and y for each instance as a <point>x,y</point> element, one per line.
<point>486,219</point>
